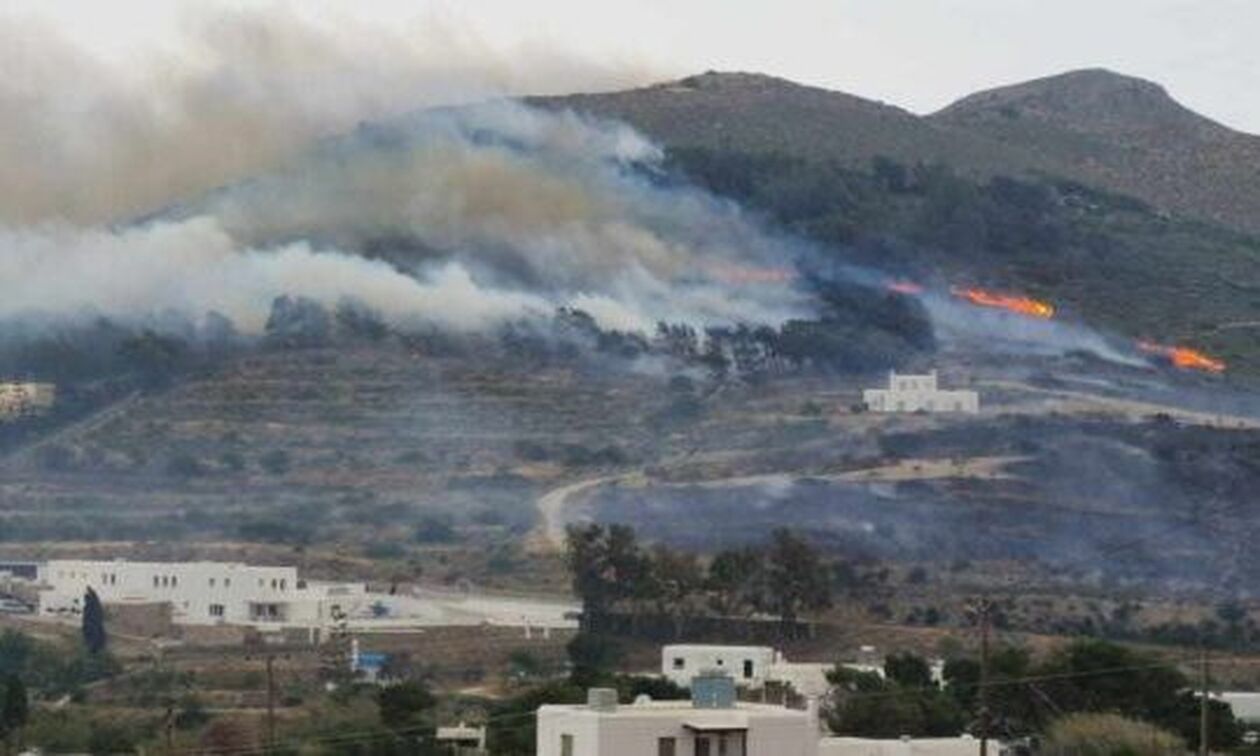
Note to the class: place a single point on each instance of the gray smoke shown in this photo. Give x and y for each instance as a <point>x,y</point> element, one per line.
<point>238,92</point>
<point>519,210</point>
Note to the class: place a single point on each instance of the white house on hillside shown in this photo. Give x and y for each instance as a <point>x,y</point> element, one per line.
<point>919,393</point>
<point>19,399</point>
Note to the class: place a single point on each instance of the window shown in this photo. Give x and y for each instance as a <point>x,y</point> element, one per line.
<point>679,662</point>
<point>282,581</point>
<point>566,745</point>
<point>174,581</point>
<point>666,746</point>
<point>216,610</point>
<point>155,581</point>
<point>748,669</point>
<point>227,582</point>
<point>702,746</point>
<point>211,582</point>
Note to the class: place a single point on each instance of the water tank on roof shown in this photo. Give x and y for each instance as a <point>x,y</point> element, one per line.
<point>601,699</point>
<point>713,689</point>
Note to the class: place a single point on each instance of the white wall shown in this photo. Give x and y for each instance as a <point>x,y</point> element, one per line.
<point>635,730</point>
<point>961,746</point>
<point>731,659</point>
<point>201,593</point>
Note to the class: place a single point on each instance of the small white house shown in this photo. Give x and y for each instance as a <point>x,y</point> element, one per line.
<point>919,393</point>
<point>712,723</point>
<point>747,665</point>
<point>200,593</point>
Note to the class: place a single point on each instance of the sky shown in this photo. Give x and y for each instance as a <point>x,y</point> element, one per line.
<point>918,54</point>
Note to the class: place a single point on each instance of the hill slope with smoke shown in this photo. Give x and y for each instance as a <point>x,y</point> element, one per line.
<point>960,202</point>
<point>1115,132</point>
<point>517,212</point>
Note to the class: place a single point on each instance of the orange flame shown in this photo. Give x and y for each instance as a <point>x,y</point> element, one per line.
<point>909,288</point>
<point>1184,357</point>
<point>1010,303</point>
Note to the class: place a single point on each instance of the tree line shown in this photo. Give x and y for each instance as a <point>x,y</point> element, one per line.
<point>1026,696</point>
<point>784,578</point>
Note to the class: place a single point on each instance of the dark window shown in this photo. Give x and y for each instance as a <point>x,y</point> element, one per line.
<point>679,662</point>
<point>216,610</point>
<point>702,746</point>
<point>666,746</point>
<point>566,745</point>
<point>748,669</point>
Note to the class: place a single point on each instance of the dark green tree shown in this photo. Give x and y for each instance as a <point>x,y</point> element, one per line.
<point>607,566</point>
<point>405,705</point>
<point>736,582</point>
<point>795,578</point>
<point>592,659</point>
<point>908,670</point>
<point>14,708</point>
<point>866,705</point>
<point>94,637</point>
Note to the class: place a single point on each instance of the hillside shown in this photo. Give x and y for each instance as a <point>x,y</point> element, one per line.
<point>1120,133</point>
<point>1060,200</point>
<point>1125,134</point>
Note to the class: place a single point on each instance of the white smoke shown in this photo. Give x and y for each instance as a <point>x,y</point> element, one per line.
<point>194,267</point>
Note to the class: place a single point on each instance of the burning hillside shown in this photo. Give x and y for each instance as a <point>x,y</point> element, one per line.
<point>1019,305</point>
<point>1184,357</point>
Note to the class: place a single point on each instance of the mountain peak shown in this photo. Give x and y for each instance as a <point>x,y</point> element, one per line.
<point>1093,100</point>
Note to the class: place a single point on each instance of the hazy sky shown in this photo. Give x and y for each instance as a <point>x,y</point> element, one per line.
<point>919,54</point>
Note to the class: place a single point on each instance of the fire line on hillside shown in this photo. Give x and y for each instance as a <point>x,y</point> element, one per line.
<point>1184,357</point>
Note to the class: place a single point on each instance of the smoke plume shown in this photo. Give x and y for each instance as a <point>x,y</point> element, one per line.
<point>485,213</point>
<point>87,140</point>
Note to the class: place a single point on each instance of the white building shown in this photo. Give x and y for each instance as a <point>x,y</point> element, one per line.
<point>200,593</point>
<point>712,723</point>
<point>751,667</point>
<point>461,740</point>
<point>919,393</point>
<point>747,665</point>
<point>21,399</point>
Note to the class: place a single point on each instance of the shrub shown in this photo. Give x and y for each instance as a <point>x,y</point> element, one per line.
<point>1108,735</point>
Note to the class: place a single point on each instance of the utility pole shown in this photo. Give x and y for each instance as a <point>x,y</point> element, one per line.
<point>271,703</point>
<point>983,610</point>
<point>1204,687</point>
<point>169,727</point>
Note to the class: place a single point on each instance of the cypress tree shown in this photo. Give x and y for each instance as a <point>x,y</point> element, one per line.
<point>93,623</point>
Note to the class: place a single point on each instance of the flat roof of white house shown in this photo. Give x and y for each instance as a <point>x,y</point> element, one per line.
<point>684,710</point>
<point>683,647</point>
<point>964,745</point>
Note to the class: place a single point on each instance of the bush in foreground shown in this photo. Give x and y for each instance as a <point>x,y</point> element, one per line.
<point>1108,735</point>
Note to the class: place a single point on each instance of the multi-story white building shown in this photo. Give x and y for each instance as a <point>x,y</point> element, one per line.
<point>712,723</point>
<point>200,593</point>
<point>919,393</point>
